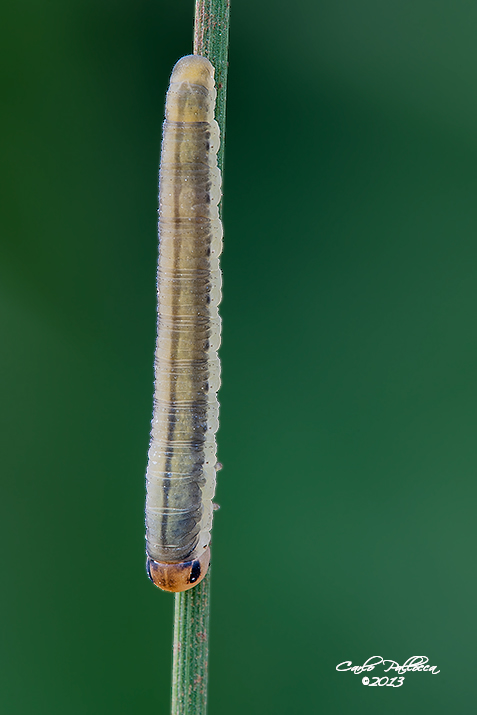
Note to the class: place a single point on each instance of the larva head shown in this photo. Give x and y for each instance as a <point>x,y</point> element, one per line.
<point>191,95</point>
<point>178,577</point>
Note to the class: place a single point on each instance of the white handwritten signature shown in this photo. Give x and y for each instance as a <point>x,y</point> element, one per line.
<point>416,663</point>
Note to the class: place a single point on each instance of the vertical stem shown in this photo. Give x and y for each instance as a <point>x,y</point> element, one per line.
<point>191,650</point>
<point>191,611</point>
<point>211,40</point>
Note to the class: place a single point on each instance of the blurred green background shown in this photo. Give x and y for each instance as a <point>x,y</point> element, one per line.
<point>349,394</point>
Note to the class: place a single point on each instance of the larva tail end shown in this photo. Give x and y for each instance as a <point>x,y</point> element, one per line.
<point>194,69</point>
<point>178,577</point>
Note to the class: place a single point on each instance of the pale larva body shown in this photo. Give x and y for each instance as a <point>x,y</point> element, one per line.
<point>180,477</point>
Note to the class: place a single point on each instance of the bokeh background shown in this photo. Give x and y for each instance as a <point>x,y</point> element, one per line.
<point>348,421</point>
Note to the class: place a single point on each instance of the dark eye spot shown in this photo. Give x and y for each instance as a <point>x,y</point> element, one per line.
<point>208,251</point>
<point>194,572</point>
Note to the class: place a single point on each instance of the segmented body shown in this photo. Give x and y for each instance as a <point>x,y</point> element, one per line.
<point>182,454</point>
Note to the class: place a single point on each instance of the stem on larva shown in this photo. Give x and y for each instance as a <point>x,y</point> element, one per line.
<point>191,612</point>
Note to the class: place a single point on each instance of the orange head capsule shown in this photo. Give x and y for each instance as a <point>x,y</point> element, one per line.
<point>181,576</point>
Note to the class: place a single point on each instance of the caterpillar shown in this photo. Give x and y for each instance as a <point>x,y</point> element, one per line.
<point>182,464</point>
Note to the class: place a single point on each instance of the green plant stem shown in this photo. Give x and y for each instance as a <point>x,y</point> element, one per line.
<point>191,611</point>
<point>191,650</point>
<point>211,40</point>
